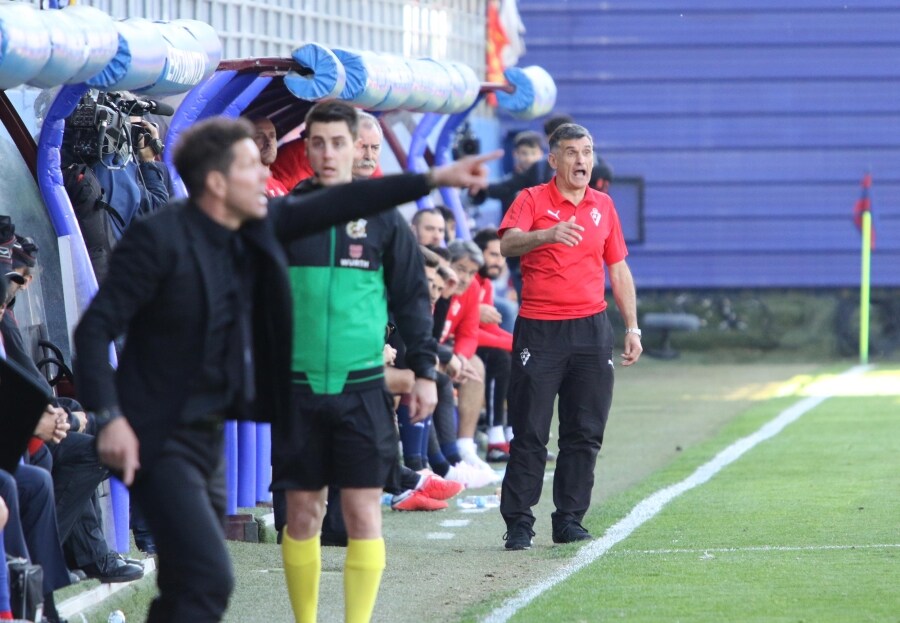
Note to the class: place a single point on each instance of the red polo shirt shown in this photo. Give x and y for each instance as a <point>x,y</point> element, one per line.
<point>560,282</point>
<point>461,324</point>
<point>491,335</point>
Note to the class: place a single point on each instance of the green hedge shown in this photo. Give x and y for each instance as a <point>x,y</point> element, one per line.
<point>783,324</point>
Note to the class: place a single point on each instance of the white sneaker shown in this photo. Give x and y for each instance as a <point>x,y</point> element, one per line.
<point>471,477</point>
<point>475,461</point>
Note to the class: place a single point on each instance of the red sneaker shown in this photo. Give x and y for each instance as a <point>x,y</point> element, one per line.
<point>498,452</point>
<point>416,500</point>
<point>437,488</point>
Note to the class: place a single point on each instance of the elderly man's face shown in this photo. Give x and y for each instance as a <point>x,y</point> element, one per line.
<point>368,151</point>
<point>266,140</point>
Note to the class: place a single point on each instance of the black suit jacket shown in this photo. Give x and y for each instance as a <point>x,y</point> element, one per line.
<point>155,293</point>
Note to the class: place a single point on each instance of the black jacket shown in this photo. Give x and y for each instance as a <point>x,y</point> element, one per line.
<point>155,294</point>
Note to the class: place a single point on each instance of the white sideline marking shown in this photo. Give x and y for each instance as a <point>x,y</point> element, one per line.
<point>652,505</point>
<point>759,548</point>
<point>440,536</point>
<point>455,523</point>
<point>268,519</point>
<point>74,605</point>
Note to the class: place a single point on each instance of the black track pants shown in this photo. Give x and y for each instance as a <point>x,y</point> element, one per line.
<point>571,359</point>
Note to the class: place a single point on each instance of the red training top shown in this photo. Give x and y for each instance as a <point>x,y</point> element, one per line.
<point>462,321</point>
<point>275,188</point>
<point>560,282</point>
<point>491,335</point>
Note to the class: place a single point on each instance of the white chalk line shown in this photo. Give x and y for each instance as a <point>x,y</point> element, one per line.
<point>455,523</point>
<point>652,505</point>
<point>757,548</point>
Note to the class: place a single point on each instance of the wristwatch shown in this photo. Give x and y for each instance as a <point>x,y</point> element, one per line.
<point>104,416</point>
<point>634,330</point>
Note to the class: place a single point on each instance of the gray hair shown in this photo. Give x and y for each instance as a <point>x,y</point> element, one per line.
<point>568,132</point>
<point>367,120</point>
<point>460,249</point>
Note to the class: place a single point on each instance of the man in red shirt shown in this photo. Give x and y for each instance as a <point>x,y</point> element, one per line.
<point>494,346</point>
<point>565,233</point>
<point>266,140</point>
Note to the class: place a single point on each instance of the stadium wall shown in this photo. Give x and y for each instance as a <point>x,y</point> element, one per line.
<point>744,127</point>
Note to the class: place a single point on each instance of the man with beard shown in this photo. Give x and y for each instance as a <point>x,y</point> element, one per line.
<point>494,346</point>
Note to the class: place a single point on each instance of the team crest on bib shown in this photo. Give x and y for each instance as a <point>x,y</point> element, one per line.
<point>357,229</point>
<point>595,216</point>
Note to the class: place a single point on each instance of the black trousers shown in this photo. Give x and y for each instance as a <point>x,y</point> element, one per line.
<point>182,496</point>
<point>571,359</point>
<point>32,523</point>
<point>496,383</point>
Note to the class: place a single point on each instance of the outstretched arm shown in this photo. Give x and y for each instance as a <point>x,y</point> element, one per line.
<point>300,215</point>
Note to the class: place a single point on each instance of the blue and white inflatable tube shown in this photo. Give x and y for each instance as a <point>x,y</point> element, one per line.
<point>401,84</point>
<point>437,83</point>
<point>24,44</point>
<point>69,48</point>
<point>100,39</point>
<point>327,78</point>
<point>535,93</point>
<point>424,88</point>
<point>464,88</point>
<point>139,61</point>
<point>368,77</point>
<point>193,52</point>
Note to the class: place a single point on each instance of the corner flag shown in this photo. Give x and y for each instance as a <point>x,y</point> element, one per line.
<point>863,205</point>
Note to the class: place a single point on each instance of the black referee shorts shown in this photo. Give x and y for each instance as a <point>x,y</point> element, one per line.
<point>346,440</point>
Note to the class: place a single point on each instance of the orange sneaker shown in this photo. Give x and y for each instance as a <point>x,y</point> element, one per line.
<point>416,500</point>
<point>437,488</point>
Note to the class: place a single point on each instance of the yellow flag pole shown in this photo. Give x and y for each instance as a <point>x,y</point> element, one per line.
<point>865,288</point>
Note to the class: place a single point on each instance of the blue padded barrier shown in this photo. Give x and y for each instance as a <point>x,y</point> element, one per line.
<point>415,161</point>
<point>246,464</point>
<point>190,110</point>
<point>535,93</point>
<point>328,77</point>
<point>142,52</point>
<point>442,155</point>
<point>24,44</point>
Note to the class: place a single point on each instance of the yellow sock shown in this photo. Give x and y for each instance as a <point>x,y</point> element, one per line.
<point>362,577</point>
<point>302,569</point>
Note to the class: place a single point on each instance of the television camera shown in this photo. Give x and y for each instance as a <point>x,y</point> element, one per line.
<point>101,126</point>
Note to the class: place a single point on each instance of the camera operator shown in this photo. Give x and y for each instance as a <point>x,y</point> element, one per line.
<point>113,173</point>
<point>136,187</point>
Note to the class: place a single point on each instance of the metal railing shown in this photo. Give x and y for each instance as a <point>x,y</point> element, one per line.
<point>440,29</point>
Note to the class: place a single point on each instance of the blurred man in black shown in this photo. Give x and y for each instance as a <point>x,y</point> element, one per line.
<point>202,292</point>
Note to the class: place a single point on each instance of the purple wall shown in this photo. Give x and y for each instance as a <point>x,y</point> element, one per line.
<point>751,124</point>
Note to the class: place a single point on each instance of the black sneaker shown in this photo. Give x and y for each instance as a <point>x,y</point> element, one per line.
<point>570,533</point>
<point>519,536</point>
